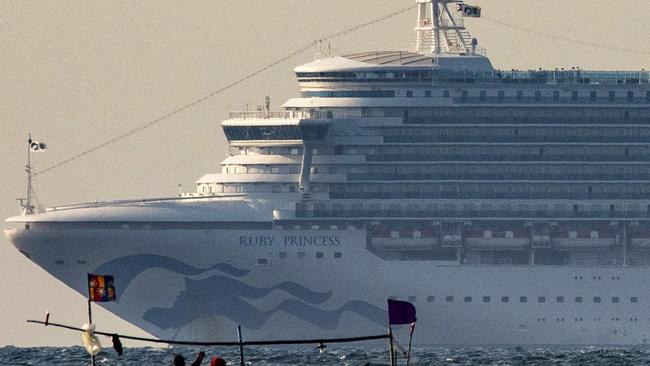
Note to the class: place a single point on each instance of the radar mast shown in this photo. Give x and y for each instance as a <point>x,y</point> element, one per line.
<point>439,30</point>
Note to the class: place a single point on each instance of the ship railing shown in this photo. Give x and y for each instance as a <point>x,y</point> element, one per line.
<point>182,197</point>
<point>443,23</point>
<point>279,115</point>
<point>476,214</point>
<point>643,100</point>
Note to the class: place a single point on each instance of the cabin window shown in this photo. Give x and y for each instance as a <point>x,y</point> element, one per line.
<point>431,298</point>
<point>574,96</point>
<point>445,94</point>
<point>559,299</point>
<point>417,234</point>
<point>449,299</point>
<point>293,151</point>
<point>592,96</point>
<point>282,255</point>
<point>597,299</point>
<point>630,96</point>
<point>338,254</point>
<point>409,93</point>
<point>578,299</point>
<point>593,234</point>
<point>427,93</point>
<point>523,299</point>
<point>612,95</point>
<point>412,298</point>
<point>487,234</point>
<point>520,95</point>
<point>486,299</point>
<point>556,95</point>
<point>467,299</point>
<point>615,299</point>
<point>510,234</point>
<point>541,299</point>
<point>301,255</point>
<point>501,95</point>
<point>573,234</point>
<point>647,96</point>
<point>505,299</point>
<point>394,234</point>
<point>634,299</point>
<point>262,261</point>
<point>483,95</point>
<point>538,95</point>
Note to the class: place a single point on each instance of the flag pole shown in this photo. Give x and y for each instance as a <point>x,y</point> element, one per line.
<point>391,347</point>
<point>27,207</point>
<point>90,322</point>
<point>241,346</point>
<point>408,353</point>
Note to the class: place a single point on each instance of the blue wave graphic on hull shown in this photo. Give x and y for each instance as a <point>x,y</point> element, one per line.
<point>126,269</point>
<point>219,295</point>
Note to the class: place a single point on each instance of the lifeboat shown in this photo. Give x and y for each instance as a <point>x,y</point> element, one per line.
<point>405,238</point>
<point>497,237</point>
<point>599,235</point>
<point>640,236</point>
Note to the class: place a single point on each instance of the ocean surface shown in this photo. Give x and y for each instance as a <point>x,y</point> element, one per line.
<point>343,355</point>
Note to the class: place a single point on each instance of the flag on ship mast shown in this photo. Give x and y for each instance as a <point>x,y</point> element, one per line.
<point>469,10</point>
<point>100,288</point>
<point>36,146</point>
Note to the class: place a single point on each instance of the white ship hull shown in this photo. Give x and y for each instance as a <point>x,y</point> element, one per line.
<point>199,284</point>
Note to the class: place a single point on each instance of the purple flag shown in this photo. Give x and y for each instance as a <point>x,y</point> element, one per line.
<point>400,312</point>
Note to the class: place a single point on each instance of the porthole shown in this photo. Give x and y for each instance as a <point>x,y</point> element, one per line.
<point>449,299</point>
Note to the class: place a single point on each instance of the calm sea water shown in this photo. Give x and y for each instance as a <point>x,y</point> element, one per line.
<point>337,356</point>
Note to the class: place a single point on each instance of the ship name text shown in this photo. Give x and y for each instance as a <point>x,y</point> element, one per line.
<point>290,240</point>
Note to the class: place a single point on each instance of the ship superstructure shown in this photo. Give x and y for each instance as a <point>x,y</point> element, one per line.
<point>509,206</point>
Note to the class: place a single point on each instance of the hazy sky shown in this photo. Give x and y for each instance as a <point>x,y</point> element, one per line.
<point>76,73</point>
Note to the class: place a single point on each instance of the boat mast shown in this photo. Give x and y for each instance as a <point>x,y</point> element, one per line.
<point>438,30</point>
<point>26,203</point>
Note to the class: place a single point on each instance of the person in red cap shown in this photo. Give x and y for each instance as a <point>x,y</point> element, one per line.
<point>217,361</point>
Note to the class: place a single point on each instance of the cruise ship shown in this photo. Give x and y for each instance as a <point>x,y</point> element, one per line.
<point>509,206</point>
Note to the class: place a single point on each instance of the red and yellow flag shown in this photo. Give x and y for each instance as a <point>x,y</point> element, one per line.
<point>100,288</point>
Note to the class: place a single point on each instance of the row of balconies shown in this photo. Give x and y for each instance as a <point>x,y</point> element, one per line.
<point>490,214</point>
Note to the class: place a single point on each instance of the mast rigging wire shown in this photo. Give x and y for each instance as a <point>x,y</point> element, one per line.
<point>218,91</point>
<point>566,39</point>
<point>216,343</point>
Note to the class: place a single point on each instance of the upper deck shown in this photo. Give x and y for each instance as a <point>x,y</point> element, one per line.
<point>406,67</point>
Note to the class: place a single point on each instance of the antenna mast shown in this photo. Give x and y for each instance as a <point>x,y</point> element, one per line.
<point>26,203</point>
<point>438,30</point>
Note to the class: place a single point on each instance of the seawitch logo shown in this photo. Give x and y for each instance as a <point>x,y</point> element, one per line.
<point>290,240</point>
